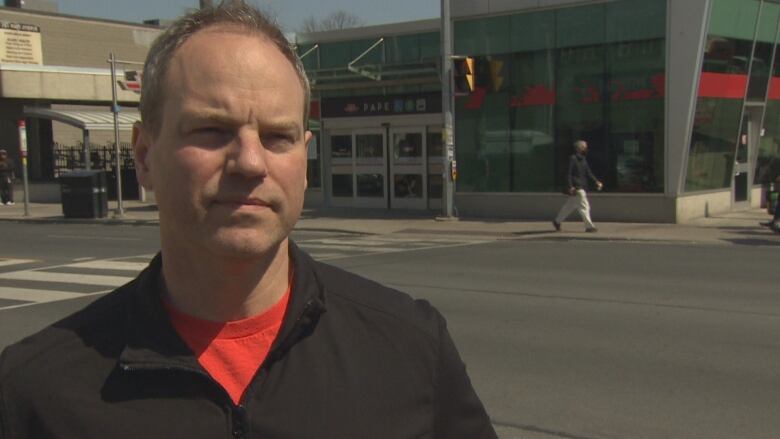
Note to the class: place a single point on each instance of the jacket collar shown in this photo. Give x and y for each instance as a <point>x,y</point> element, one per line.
<point>153,343</point>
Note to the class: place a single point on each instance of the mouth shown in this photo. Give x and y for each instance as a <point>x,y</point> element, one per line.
<point>249,203</point>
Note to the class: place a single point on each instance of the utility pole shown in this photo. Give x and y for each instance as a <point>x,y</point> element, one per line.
<point>450,170</point>
<point>23,154</point>
<point>120,212</point>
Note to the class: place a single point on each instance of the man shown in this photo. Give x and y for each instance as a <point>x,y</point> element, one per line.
<point>577,179</point>
<point>232,331</point>
<point>6,179</point>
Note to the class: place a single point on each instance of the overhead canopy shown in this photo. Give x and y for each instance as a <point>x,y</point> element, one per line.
<point>88,120</point>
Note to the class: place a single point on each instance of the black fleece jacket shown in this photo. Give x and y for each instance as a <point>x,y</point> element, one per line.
<point>353,359</point>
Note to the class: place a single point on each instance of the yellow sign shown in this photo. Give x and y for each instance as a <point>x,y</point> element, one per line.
<point>20,44</point>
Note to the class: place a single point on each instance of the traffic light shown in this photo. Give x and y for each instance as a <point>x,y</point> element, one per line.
<point>463,75</point>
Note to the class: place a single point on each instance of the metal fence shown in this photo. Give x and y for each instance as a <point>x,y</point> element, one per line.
<point>102,157</point>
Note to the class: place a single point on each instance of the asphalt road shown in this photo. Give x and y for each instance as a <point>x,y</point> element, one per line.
<point>563,339</point>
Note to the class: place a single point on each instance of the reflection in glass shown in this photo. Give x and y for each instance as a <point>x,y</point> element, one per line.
<point>722,88</point>
<point>342,185</point>
<point>595,72</point>
<point>408,186</point>
<point>407,147</point>
<point>341,146</point>
<point>369,146</point>
<point>370,185</point>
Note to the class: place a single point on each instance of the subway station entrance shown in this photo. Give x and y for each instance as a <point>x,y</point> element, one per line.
<point>383,152</point>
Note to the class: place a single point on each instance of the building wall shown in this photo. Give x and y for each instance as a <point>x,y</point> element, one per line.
<point>82,42</point>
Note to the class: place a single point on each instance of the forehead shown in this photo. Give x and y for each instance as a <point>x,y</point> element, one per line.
<point>221,65</point>
<point>221,47</point>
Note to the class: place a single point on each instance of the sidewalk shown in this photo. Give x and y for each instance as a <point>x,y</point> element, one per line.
<point>732,228</point>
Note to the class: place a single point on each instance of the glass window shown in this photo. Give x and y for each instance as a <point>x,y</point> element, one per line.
<point>722,89</point>
<point>768,160</point>
<point>369,146</point>
<point>313,171</point>
<point>635,20</point>
<point>485,36</point>
<point>762,53</point>
<point>430,46</point>
<point>435,144</point>
<point>342,185</point>
<point>734,18</point>
<point>582,26</point>
<point>407,148</point>
<point>335,55</point>
<point>592,72</point>
<point>370,185</point>
<point>435,185</point>
<point>408,186</point>
<point>341,146</point>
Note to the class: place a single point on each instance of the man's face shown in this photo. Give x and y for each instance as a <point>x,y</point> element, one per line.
<point>228,165</point>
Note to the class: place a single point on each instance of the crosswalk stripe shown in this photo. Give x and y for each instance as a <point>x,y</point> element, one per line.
<point>29,295</point>
<point>111,265</point>
<point>355,247</point>
<point>42,276</point>
<point>6,262</point>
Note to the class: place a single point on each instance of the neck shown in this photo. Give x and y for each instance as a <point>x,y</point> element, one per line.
<point>221,289</point>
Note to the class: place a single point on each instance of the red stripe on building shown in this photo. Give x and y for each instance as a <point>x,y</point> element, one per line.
<point>476,99</point>
<point>774,89</point>
<point>722,85</point>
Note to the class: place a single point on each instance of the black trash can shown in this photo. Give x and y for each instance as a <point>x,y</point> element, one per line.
<point>83,194</point>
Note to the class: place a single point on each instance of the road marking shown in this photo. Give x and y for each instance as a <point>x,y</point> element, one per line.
<point>29,295</point>
<point>42,276</point>
<point>6,262</point>
<point>111,265</point>
<point>102,238</point>
<point>347,247</point>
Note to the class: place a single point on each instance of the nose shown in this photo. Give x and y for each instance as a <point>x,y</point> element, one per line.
<point>247,157</point>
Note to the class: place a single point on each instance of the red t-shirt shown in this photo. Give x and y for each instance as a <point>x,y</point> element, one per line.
<point>231,352</point>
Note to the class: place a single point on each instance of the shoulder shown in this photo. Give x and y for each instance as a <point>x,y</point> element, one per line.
<point>92,331</point>
<point>384,306</point>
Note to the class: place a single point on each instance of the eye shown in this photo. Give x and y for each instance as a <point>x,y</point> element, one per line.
<point>277,140</point>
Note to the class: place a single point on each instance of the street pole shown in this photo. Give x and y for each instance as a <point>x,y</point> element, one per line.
<point>117,151</point>
<point>447,110</point>
<point>23,154</point>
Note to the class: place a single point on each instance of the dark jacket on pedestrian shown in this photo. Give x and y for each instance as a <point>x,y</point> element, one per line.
<point>6,170</point>
<point>353,359</point>
<point>579,172</point>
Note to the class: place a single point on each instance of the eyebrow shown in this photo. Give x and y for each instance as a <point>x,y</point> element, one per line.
<point>220,117</point>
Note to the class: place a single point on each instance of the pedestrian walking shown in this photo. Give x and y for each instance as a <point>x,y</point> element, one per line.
<point>769,177</point>
<point>232,330</point>
<point>6,179</point>
<point>578,177</point>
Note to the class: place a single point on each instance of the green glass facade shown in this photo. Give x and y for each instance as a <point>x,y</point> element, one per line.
<point>736,71</point>
<point>545,79</point>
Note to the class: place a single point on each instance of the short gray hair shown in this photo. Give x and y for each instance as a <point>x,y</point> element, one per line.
<point>229,12</point>
<point>580,145</point>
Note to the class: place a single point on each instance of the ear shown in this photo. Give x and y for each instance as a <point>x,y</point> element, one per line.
<point>307,138</point>
<point>141,155</point>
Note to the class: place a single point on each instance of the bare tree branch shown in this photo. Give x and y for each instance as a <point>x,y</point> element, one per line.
<point>337,20</point>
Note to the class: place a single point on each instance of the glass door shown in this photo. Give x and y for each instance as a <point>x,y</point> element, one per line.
<point>434,150</point>
<point>747,146</point>
<point>342,187</point>
<point>408,169</point>
<point>370,169</point>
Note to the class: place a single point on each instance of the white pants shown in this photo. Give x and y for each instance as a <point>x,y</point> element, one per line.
<point>579,202</point>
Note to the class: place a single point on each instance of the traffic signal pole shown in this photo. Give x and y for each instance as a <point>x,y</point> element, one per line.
<point>449,171</point>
